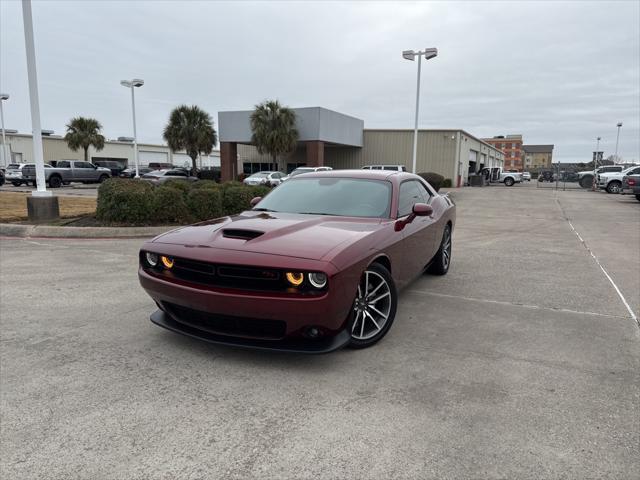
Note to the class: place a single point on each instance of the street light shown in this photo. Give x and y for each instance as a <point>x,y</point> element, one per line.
<point>595,163</point>
<point>617,139</point>
<point>428,53</point>
<point>3,97</point>
<point>136,82</point>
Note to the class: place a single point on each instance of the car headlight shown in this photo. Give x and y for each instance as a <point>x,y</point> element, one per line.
<point>317,279</point>
<point>295,278</point>
<point>167,262</point>
<point>152,259</point>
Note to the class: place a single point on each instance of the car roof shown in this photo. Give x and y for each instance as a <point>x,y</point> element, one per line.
<point>360,173</point>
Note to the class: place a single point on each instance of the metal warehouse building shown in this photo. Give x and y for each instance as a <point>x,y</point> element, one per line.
<point>55,148</point>
<point>341,141</point>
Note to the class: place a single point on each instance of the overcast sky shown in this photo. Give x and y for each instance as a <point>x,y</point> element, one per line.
<point>561,73</point>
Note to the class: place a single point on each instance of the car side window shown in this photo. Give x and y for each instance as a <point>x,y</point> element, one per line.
<point>635,171</point>
<point>82,165</point>
<point>63,164</point>
<point>409,195</point>
<point>426,193</point>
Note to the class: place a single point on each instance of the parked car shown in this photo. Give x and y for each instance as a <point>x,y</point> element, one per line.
<point>631,186</point>
<point>1,177</point>
<point>158,177</point>
<point>160,166</point>
<point>546,176</point>
<point>300,170</point>
<point>265,178</point>
<point>67,171</point>
<point>314,266</point>
<point>526,176</point>
<point>116,167</point>
<point>397,168</point>
<point>21,174</point>
<point>13,174</point>
<point>585,178</point>
<point>131,172</point>
<point>497,175</point>
<point>611,182</point>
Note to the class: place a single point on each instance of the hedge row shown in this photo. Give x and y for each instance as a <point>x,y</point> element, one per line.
<point>136,202</point>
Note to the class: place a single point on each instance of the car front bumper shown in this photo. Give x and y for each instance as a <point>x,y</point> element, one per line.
<point>292,345</point>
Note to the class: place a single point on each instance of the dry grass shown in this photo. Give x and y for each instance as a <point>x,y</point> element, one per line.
<point>13,206</point>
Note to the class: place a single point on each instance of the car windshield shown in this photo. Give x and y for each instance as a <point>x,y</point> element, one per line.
<point>348,197</point>
<point>13,166</point>
<point>260,175</point>
<point>156,173</point>
<point>298,171</point>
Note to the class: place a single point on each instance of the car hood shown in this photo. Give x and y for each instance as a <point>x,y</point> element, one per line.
<point>287,234</point>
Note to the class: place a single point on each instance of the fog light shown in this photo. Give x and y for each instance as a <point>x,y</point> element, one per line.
<point>295,278</point>
<point>318,280</point>
<point>151,258</point>
<point>167,262</point>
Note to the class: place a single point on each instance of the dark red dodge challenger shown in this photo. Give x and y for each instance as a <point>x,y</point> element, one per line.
<point>314,266</point>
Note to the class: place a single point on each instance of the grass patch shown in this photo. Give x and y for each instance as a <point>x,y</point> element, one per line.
<point>13,206</point>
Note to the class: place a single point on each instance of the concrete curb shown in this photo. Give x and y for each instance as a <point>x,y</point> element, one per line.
<point>48,231</point>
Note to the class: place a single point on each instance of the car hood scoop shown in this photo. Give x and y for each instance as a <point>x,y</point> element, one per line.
<point>287,234</point>
<point>240,234</point>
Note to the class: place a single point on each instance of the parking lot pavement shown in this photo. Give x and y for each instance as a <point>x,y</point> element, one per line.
<point>75,189</point>
<point>521,363</point>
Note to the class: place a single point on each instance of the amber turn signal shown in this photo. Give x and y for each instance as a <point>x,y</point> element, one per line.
<point>295,278</point>
<point>167,262</point>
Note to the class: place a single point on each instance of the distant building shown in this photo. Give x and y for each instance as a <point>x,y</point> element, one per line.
<point>55,148</point>
<point>511,146</point>
<point>537,156</point>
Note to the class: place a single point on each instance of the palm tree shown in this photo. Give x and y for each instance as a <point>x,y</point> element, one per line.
<point>274,129</point>
<point>190,129</point>
<point>84,133</point>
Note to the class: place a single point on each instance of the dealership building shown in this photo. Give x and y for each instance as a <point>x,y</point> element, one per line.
<point>340,141</point>
<point>325,137</point>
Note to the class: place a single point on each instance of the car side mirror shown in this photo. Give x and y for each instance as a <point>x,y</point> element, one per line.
<point>422,210</point>
<point>255,201</point>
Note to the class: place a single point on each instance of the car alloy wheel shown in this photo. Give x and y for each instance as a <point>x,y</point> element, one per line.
<point>613,187</point>
<point>374,308</point>
<point>442,260</point>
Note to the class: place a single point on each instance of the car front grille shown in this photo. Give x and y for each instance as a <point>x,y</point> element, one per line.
<point>227,324</point>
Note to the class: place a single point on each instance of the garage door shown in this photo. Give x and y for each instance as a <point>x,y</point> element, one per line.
<point>146,157</point>
<point>181,160</point>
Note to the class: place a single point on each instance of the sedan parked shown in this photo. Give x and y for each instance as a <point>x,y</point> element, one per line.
<point>158,177</point>
<point>526,176</point>
<point>300,170</point>
<point>314,266</point>
<point>265,178</point>
<point>131,172</point>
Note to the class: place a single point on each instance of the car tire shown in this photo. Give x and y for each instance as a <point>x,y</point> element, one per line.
<point>16,184</point>
<point>614,186</point>
<point>586,181</point>
<point>638,197</point>
<point>55,182</point>
<point>442,260</point>
<point>509,181</point>
<point>374,307</point>
<point>103,178</point>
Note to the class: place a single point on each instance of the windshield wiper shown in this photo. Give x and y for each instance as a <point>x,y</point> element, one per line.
<point>262,210</point>
<point>317,213</point>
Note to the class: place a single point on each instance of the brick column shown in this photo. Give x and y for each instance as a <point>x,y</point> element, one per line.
<point>228,160</point>
<point>315,154</point>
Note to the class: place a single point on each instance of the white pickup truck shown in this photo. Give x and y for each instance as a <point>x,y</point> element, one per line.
<point>497,175</point>
<point>612,181</point>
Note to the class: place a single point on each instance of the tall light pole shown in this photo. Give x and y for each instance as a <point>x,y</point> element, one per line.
<point>617,140</point>
<point>136,82</point>
<point>595,163</point>
<point>428,53</point>
<point>34,101</point>
<point>3,97</point>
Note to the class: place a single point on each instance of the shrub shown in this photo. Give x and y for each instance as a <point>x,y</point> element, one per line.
<point>169,205</point>
<point>205,203</point>
<point>183,185</point>
<point>447,183</point>
<point>206,184</point>
<point>237,199</point>
<point>125,201</point>
<point>434,179</point>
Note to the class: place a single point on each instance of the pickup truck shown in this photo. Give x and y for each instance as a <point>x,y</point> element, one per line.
<point>497,175</point>
<point>585,178</point>
<point>67,171</point>
<point>612,181</point>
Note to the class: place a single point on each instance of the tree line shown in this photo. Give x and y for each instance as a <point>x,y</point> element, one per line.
<point>192,129</point>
